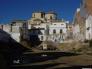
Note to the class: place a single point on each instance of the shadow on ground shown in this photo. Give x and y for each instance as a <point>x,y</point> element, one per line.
<point>50,66</point>
<point>77,67</point>
<point>40,57</point>
<point>9,50</point>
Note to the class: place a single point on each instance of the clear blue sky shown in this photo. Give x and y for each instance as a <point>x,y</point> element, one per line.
<point>22,9</point>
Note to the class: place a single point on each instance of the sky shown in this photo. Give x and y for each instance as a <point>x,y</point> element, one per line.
<point>22,9</point>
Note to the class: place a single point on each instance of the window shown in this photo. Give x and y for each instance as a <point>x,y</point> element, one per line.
<point>54,31</point>
<point>34,15</point>
<point>41,37</point>
<point>60,31</point>
<point>42,15</point>
<point>51,17</point>
<point>88,28</point>
<point>62,24</point>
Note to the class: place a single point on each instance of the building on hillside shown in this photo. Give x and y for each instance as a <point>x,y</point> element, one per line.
<point>16,27</point>
<point>78,26</point>
<point>6,27</point>
<point>86,13</point>
<point>57,31</point>
<point>38,31</point>
<point>37,17</point>
<point>18,22</point>
<point>83,19</point>
<point>47,28</point>
<point>50,16</point>
<point>42,17</point>
<point>42,26</point>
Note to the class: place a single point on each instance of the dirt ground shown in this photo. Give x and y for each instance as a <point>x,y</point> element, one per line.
<point>70,61</point>
<point>62,62</point>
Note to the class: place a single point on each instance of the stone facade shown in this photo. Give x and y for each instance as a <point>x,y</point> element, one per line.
<point>50,16</point>
<point>42,17</point>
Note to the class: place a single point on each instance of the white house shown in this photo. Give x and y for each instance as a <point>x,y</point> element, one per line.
<point>6,28</point>
<point>57,31</point>
<point>16,25</point>
<point>15,33</point>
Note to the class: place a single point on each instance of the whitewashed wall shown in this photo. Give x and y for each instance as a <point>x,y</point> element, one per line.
<point>89,27</point>
<point>16,36</point>
<point>57,26</point>
<point>57,37</point>
<point>76,32</point>
<point>15,29</point>
<point>29,26</point>
<point>7,28</point>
